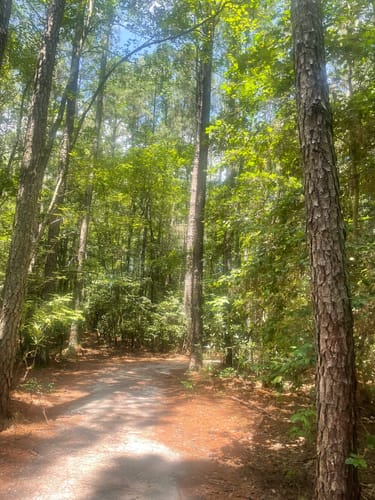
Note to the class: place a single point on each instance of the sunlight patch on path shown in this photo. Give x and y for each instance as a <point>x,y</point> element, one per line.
<point>108,454</point>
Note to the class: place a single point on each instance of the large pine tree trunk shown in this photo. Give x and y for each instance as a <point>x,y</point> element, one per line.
<point>25,222</point>
<point>335,381</point>
<point>5,11</point>
<point>193,293</point>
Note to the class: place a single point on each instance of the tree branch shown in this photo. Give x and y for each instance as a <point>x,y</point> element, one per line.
<point>126,57</point>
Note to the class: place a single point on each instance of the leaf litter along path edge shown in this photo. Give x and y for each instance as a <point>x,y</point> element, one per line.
<point>126,428</point>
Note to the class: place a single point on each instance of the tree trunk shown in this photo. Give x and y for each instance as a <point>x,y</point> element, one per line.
<point>193,293</point>
<point>54,221</point>
<point>25,222</point>
<point>74,340</point>
<point>355,133</point>
<point>335,380</point>
<point>142,257</point>
<point>78,285</point>
<point>5,11</point>
<point>16,148</point>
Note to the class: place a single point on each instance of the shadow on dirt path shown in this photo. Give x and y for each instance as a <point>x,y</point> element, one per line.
<point>102,446</point>
<point>114,427</point>
<point>119,427</point>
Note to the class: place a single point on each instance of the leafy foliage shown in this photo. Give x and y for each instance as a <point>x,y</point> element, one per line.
<point>34,386</point>
<point>46,324</point>
<point>304,421</point>
<point>120,315</point>
<point>257,311</point>
<point>356,461</point>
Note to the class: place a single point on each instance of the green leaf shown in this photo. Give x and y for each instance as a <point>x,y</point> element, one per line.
<point>356,461</point>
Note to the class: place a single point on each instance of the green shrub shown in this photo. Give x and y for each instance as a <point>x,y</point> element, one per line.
<point>304,421</point>
<point>166,329</point>
<point>45,326</point>
<point>118,313</point>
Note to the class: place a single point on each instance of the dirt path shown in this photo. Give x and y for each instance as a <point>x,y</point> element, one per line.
<point>136,429</point>
<point>107,449</point>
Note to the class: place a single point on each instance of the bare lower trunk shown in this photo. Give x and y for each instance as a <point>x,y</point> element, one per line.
<point>335,380</point>
<point>51,280</point>
<point>74,339</point>
<point>142,257</point>
<point>27,209</point>
<point>193,293</point>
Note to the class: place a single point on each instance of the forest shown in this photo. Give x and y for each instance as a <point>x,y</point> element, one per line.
<point>195,176</point>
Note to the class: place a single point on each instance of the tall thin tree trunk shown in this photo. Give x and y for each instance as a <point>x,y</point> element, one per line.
<point>355,156</point>
<point>55,219</point>
<point>145,238</point>
<point>74,340</point>
<point>5,11</point>
<point>128,256</point>
<point>193,293</point>
<point>17,146</point>
<point>78,285</point>
<point>27,208</point>
<point>335,380</point>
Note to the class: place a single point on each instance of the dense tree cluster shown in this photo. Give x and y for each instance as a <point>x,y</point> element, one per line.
<point>150,153</point>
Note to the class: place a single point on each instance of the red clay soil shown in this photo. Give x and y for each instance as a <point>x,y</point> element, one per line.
<point>233,438</point>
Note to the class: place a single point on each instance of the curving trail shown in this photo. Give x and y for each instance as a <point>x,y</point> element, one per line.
<point>118,427</point>
<point>110,452</point>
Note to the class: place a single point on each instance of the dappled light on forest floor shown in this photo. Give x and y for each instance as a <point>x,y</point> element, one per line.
<point>141,427</point>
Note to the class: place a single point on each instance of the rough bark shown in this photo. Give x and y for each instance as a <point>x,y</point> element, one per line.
<point>5,11</point>
<point>335,378</point>
<point>25,221</point>
<point>193,293</point>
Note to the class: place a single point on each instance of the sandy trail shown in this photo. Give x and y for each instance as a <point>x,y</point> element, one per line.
<point>113,427</point>
<point>103,446</point>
